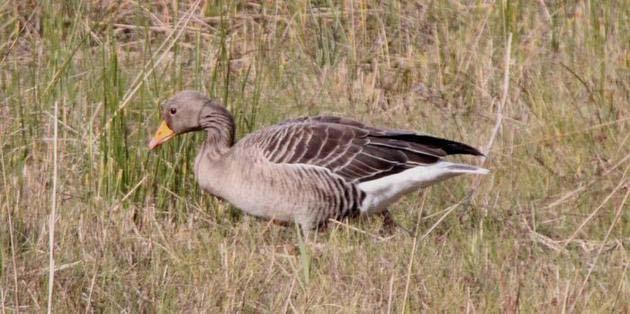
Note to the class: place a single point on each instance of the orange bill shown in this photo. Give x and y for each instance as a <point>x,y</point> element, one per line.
<point>163,134</point>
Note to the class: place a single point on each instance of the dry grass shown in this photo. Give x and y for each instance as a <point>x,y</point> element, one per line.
<point>542,85</point>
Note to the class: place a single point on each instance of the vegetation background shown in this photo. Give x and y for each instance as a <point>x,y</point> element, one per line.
<point>542,86</point>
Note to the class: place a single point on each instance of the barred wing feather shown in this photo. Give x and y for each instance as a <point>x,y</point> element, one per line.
<point>350,149</point>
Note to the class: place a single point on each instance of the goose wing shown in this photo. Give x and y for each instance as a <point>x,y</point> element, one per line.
<point>350,149</point>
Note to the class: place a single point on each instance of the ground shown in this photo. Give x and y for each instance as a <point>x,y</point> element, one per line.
<point>541,87</point>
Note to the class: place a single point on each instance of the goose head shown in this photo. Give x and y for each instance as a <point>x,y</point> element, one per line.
<point>187,111</point>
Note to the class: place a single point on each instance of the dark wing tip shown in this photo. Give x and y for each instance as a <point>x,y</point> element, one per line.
<point>448,146</point>
<point>454,148</point>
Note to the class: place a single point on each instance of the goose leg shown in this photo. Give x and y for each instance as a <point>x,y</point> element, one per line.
<point>389,224</point>
<point>308,232</point>
<point>309,244</point>
<point>307,235</point>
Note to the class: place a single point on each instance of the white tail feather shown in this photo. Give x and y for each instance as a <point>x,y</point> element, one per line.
<point>462,168</point>
<point>384,191</point>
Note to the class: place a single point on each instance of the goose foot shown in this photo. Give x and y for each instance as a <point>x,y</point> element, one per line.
<point>389,224</point>
<point>308,244</point>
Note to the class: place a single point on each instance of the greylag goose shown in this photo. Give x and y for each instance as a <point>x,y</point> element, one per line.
<point>312,169</point>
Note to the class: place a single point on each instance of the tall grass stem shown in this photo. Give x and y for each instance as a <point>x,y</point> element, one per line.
<point>53,213</point>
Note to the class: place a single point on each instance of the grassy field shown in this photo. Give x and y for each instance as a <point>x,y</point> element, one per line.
<point>542,87</point>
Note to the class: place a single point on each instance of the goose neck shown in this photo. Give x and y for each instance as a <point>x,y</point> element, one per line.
<point>219,126</point>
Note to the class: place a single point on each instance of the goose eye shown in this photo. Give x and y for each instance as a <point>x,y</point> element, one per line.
<point>173,111</point>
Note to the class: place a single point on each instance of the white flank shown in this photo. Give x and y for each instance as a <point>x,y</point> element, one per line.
<point>384,191</point>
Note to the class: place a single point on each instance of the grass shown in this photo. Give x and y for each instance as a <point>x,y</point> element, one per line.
<point>548,230</point>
